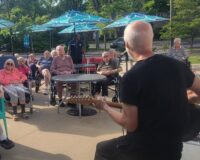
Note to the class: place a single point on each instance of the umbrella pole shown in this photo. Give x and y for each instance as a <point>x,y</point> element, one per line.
<point>74,29</point>
<point>11,41</point>
<point>50,40</point>
<point>104,41</point>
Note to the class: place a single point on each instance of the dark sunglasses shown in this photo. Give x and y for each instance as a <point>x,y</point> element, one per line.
<point>9,64</point>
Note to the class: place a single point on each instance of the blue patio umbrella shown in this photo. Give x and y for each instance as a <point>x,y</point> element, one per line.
<point>135,17</point>
<point>40,28</point>
<point>5,24</point>
<point>73,17</point>
<point>80,28</point>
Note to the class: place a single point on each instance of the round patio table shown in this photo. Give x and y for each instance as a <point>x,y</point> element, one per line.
<point>80,78</point>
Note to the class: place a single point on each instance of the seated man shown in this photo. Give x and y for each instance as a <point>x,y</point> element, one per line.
<point>62,64</point>
<point>44,67</point>
<point>4,141</point>
<point>108,68</point>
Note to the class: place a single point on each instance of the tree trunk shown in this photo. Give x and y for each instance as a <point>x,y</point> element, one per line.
<point>192,41</point>
<point>96,5</point>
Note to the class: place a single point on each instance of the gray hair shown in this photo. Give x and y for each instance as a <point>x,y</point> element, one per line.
<point>139,39</point>
<point>53,53</point>
<point>105,53</point>
<point>177,40</point>
<point>9,60</point>
<point>20,59</point>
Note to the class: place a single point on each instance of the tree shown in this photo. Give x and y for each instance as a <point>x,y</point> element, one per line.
<point>185,22</point>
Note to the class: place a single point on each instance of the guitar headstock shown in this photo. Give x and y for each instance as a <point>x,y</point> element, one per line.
<point>85,100</point>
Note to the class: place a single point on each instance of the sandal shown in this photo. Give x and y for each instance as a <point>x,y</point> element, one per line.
<point>15,117</point>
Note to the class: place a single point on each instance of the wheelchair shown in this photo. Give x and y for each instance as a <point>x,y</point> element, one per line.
<point>114,86</point>
<point>116,83</point>
<point>27,84</point>
<point>38,79</point>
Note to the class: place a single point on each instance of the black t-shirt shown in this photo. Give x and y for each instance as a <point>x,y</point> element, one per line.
<point>157,86</point>
<point>76,48</point>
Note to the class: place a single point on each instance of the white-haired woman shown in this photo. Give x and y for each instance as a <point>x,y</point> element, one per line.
<point>54,53</point>
<point>178,52</point>
<point>12,80</point>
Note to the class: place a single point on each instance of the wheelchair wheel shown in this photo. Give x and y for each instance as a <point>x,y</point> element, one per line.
<point>114,99</point>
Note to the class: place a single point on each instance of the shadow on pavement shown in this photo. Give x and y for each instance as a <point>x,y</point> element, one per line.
<point>20,152</point>
<point>46,119</point>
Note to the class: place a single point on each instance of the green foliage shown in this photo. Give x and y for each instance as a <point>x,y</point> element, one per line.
<point>185,22</point>
<point>24,13</point>
<point>194,59</point>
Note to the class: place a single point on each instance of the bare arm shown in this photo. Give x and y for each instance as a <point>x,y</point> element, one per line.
<point>196,85</point>
<point>194,92</point>
<point>128,118</point>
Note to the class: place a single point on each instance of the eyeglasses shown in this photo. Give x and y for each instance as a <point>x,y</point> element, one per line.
<point>9,64</point>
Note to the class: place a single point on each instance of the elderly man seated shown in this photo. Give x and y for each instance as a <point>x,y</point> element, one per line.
<point>62,64</point>
<point>12,81</point>
<point>108,68</point>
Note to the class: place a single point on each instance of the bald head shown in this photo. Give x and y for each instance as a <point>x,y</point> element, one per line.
<point>138,37</point>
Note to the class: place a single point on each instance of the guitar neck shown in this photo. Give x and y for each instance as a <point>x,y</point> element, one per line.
<point>91,100</point>
<point>114,105</point>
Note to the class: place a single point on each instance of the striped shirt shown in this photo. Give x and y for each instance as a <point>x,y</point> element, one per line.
<point>61,64</point>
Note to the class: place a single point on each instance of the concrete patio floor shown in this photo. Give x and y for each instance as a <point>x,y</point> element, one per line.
<point>47,135</point>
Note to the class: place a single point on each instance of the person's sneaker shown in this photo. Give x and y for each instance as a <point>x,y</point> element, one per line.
<point>53,102</point>
<point>24,116</point>
<point>15,117</point>
<point>45,91</point>
<point>7,144</point>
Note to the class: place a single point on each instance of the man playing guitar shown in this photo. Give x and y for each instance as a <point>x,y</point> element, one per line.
<point>155,107</point>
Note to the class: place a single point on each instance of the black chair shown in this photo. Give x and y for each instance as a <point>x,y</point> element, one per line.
<point>38,79</point>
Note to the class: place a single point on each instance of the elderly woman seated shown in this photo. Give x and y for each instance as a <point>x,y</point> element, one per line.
<point>44,65</point>
<point>12,81</point>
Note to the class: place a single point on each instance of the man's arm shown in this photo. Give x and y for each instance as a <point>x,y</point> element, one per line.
<point>128,118</point>
<point>194,92</point>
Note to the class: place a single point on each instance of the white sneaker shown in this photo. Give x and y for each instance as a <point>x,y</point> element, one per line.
<point>46,91</point>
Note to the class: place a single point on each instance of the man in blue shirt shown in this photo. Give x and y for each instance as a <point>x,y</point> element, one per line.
<point>75,49</point>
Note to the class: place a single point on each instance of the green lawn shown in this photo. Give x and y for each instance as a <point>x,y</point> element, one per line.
<point>194,59</point>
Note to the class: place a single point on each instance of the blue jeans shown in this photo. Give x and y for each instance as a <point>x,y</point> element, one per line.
<point>33,69</point>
